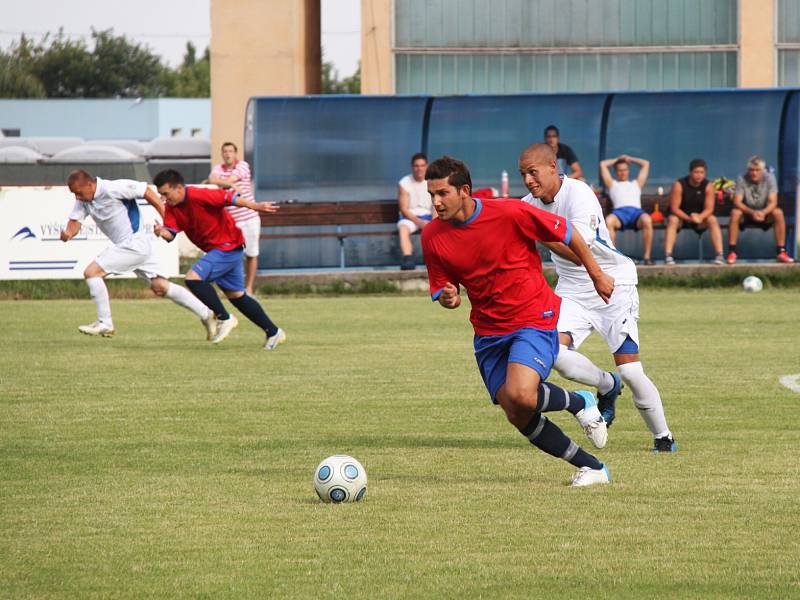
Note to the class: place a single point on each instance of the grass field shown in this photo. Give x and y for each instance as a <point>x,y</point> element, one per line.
<point>156,465</point>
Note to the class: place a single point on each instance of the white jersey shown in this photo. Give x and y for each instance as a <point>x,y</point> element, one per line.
<point>625,193</point>
<point>419,200</point>
<point>576,202</point>
<point>113,208</point>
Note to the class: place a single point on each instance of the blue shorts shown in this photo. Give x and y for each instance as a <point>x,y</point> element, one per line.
<point>628,215</point>
<point>534,348</point>
<point>223,268</point>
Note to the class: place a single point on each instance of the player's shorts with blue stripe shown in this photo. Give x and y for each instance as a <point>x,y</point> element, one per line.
<point>535,348</point>
<point>223,268</point>
<point>628,216</point>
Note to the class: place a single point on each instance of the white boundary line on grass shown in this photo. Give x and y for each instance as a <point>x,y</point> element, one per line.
<point>791,381</point>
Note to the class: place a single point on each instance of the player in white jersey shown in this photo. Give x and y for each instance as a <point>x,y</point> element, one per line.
<point>581,312</point>
<point>112,205</point>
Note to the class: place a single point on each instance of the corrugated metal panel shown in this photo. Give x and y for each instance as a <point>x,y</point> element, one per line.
<point>440,74</point>
<point>564,23</point>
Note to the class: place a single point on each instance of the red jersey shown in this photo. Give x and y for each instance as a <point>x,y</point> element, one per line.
<point>202,216</point>
<point>494,257</point>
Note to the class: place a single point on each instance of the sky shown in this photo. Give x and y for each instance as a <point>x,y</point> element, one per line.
<point>165,25</point>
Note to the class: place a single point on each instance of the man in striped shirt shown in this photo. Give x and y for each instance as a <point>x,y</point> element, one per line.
<point>235,173</point>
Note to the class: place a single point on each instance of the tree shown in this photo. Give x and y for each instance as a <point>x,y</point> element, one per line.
<point>331,84</point>
<point>192,79</point>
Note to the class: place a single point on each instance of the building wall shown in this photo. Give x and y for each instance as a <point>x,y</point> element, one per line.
<point>788,38</point>
<point>97,119</point>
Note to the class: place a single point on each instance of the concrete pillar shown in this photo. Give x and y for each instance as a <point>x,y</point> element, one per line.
<point>757,37</point>
<point>377,39</point>
<point>259,49</point>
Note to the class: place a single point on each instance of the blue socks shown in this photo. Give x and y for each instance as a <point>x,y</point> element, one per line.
<point>253,311</point>
<point>205,292</point>
<point>545,435</point>
<point>553,397</point>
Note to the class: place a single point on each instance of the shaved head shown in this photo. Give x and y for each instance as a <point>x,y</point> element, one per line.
<point>540,154</point>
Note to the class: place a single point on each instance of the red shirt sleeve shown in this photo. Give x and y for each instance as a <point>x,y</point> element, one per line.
<point>537,224</point>
<point>437,275</point>
<point>169,219</point>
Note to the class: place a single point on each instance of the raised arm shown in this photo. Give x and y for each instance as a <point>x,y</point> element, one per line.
<point>605,174</point>
<point>644,170</point>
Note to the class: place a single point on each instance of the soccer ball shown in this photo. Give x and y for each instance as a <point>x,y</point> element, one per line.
<point>752,283</point>
<point>340,478</point>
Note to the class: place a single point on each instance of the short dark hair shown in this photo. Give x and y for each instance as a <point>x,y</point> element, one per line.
<point>697,162</point>
<point>551,128</point>
<point>620,161</point>
<point>235,149</point>
<point>418,156</point>
<point>79,176</point>
<point>168,177</point>
<point>455,171</point>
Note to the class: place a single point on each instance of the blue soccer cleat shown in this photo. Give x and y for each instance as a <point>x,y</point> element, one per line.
<point>607,402</point>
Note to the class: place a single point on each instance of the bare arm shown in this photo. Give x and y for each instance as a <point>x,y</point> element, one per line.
<point>154,200</point>
<point>603,283</point>
<point>224,183</point>
<point>563,251</point>
<point>738,202</point>
<point>71,230</point>
<point>708,206</point>
<point>577,172</point>
<point>450,298</point>
<point>262,207</point>
<point>402,203</point>
<point>675,202</point>
<point>605,175</point>
<point>644,170</point>
<point>160,231</point>
<point>772,204</point>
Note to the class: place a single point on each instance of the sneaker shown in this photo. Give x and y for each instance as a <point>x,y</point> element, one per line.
<point>649,262</point>
<point>408,264</point>
<point>669,261</point>
<point>586,476</point>
<point>665,444</point>
<point>211,324</point>
<point>97,328</point>
<point>719,259</point>
<point>275,340</point>
<point>592,421</point>
<point>783,257</point>
<point>731,258</point>
<point>607,402</point>
<point>224,328</point>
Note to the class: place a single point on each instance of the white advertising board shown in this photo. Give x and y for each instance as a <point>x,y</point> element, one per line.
<point>31,220</point>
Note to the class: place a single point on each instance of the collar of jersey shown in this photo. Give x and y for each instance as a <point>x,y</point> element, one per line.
<point>474,215</point>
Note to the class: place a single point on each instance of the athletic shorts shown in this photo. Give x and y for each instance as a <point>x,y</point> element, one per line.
<point>534,348</point>
<point>134,255</point>
<point>412,227</point>
<point>750,222</point>
<point>586,312</point>
<point>223,268</point>
<point>628,216</point>
<point>251,228</point>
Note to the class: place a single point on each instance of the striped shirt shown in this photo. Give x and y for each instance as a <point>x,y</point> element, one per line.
<point>241,170</point>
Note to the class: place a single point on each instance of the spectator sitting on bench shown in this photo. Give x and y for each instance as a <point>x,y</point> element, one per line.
<point>626,197</point>
<point>691,204</point>
<point>415,207</point>
<point>755,204</point>
<point>565,156</point>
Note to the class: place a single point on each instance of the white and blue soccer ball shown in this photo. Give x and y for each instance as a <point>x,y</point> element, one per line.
<point>752,283</point>
<point>340,478</point>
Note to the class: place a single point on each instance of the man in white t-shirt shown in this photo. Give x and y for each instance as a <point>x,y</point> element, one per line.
<point>114,209</point>
<point>415,207</point>
<point>582,311</point>
<point>626,197</point>
<point>235,173</point>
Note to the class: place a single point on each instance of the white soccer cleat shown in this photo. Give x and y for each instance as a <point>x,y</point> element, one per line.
<point>587,476</point>
<point>211,324</point>
<point>224,328</point>
<point>97,328</point>
<point>275,340</point>
<point>592,421</point>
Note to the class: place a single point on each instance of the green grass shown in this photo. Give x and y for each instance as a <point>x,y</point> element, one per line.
<point>156,465</point>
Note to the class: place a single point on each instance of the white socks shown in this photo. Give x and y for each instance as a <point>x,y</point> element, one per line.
<point>180,295</point>
<point>646,398</point>
<point>576,367</point>
<point>99,293</point>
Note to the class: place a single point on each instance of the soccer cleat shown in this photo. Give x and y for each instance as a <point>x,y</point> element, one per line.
<point>669,261</point>
<point>587,476</point>
<point>719,259</point>
<point>665,444</point>
<point>275,340</point>
<point>224,328</point>
<point>731,259</point>
<point>592,421</point>
<point>97,328</point>
<point>211,324</point>
<point>607,402</point>
<point>783,257</point>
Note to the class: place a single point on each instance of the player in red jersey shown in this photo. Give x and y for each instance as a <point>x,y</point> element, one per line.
<point>488,246</point>
<point>201,214</point>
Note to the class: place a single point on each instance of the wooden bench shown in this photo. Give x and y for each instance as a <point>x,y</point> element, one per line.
<point>335,218</point>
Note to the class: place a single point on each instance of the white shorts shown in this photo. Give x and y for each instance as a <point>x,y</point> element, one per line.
<point>584,312</point>
<point>135,255</point>
<point>251,228</point>
<point>412,227</point>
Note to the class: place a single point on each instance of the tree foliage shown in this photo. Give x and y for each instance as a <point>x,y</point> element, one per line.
<point>58,67</point>
<point>331,84</point>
